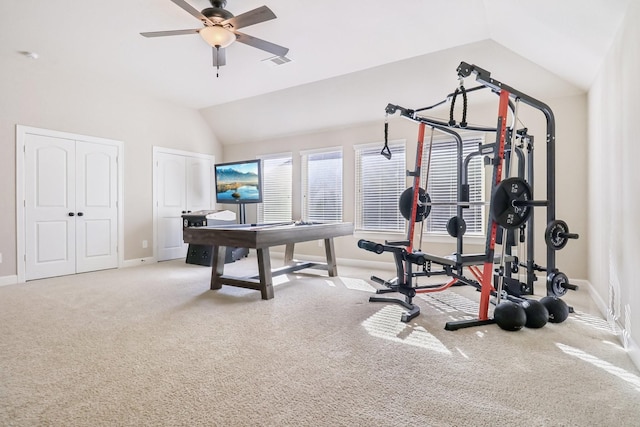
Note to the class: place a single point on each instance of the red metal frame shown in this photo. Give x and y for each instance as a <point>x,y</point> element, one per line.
<point>416,187</point>
<point>487,270</point>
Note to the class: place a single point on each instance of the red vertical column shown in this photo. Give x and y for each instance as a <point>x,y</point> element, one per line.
<point>487,272</point>
<point>416,187</point>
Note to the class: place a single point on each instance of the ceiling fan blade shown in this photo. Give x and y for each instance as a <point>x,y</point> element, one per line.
<point>261,44</point>
<point>251,17</point>
<point>192,11</point>
<point>219,57</point>
<point>170,33</point>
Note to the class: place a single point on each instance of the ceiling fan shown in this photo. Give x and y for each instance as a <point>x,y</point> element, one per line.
<point>220,29</point>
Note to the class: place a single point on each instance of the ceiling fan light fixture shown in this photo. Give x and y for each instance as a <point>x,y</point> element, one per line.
<point>217,36</point>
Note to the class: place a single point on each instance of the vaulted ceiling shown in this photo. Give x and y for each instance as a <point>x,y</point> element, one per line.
<point>365,51</point>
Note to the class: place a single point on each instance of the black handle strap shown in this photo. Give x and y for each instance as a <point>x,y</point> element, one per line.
<point>463,91</point>
<point>386,152</point>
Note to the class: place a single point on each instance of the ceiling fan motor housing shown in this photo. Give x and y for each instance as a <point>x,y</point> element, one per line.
<point>217,14</point>
<point>217,11</point>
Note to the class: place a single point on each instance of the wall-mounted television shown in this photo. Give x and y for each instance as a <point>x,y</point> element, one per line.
<point>239,182</point>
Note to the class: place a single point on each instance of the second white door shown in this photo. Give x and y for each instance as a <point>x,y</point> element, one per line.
<point>183,184</point>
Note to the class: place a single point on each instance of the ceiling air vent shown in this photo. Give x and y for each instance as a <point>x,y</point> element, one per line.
<point>278,60</point>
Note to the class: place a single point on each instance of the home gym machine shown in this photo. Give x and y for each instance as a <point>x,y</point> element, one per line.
<point>510,214</point>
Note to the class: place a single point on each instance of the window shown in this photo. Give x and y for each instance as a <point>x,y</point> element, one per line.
<point>379,183</point>
<point>442,185</point>
<point>276,189</point>
<point>322,185</point>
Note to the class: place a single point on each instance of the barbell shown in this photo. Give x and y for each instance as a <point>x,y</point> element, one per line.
<point>425,204</point>
<point>511,203</point>
<point>510,207</point>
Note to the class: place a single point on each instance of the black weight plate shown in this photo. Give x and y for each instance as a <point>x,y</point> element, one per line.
<point>456,226</point>
<point>554,234</point>
<point>558,283</point>
<point>406,201</point>
<point>502,210</point>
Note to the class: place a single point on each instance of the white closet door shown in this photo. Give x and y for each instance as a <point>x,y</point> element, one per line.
<point>199,184</point>
<point>96,207</point>
<point>49,206</point>
<point>183,183</point>
<point>172,202</point>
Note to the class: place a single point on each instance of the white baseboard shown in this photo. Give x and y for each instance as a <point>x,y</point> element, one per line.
<point>12,280</point>
<point>137,262</point>
<point>8,280</point>
<point>634,352</point>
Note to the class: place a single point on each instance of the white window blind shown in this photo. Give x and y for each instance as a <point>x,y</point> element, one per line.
<point>276,189</point>
<point>322,185</point>
<point>442,186</point>
<point>379,183</point>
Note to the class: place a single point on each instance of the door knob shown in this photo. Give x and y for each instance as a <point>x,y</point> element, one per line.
<point>71,214</point>
<point>80,213</point>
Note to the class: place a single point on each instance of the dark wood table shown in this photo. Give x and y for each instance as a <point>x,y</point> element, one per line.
<point>261,237</point>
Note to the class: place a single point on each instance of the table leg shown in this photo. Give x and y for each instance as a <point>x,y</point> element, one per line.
<point>288,253</point>
<point>264,270</point>
<point>331,257</point>
<point>217,265</point>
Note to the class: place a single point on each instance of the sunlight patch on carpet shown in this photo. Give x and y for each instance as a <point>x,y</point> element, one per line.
<point>593,321</point>
<point>356,284</point>
<point>449,302</point>
<point>386,324</point>
<point>599,363</point>
<point>279,280</point>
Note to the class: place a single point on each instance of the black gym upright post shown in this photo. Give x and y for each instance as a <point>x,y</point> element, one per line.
<point>484,77</point>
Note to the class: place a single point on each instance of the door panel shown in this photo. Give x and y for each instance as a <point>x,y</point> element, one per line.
<point>49,199</point>
<point>171,176</point>
<point>183,184</point>
<point>96,206</point>
<point>199,184</point>
<point>46,233</point>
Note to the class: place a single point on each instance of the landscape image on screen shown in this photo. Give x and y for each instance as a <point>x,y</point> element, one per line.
<point>238,182</point>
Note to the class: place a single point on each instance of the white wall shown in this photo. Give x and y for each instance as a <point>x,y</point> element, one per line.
<point>614,182</point>
<point>41,94</point>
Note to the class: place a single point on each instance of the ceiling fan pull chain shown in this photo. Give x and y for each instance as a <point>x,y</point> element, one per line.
<point>217,61</point>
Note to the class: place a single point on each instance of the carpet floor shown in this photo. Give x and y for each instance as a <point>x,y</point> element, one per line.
<point>153,346</point>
